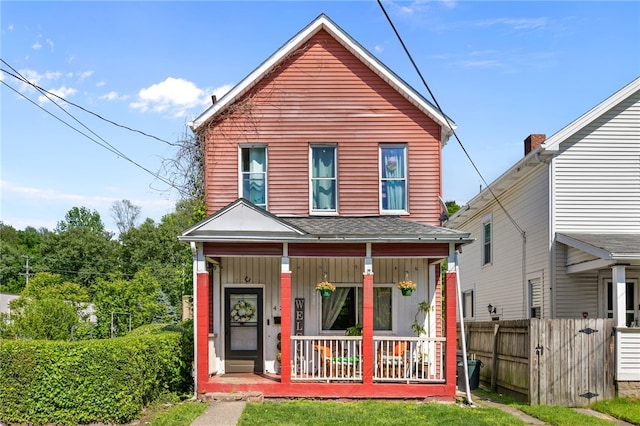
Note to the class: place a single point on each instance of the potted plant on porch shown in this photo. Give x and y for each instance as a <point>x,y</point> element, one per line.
<point>325,288</point>
<point>406,287</point>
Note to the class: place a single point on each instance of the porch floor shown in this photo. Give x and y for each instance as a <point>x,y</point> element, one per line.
<point>244,379</point>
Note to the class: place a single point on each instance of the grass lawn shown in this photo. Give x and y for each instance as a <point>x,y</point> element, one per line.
<point>170,413</point>
<point>627,409</point>
<point>369,412</point>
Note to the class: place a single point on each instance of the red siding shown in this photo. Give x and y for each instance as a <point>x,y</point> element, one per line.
<point>326,250</point>
<point>242,249</point>
<point>322,93</point>
<point>409,250</point>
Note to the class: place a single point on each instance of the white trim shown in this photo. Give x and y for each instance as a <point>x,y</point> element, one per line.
<point>266,171</point>
<point>553,142</point>
<point>487,219</point>
<point>405,153</point>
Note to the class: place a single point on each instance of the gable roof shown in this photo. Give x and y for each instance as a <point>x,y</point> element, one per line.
<point>244,221</point>
<point>541,153</point>
<point>584,120</point>
<point>323,22</point>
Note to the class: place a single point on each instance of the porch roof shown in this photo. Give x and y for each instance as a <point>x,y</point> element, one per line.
<point>616,248</point>
<point>243,221</point>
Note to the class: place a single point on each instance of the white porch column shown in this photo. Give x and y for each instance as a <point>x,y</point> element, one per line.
<point>619,282</point>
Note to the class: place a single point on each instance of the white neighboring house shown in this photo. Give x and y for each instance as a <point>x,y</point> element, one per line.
<point>5,299</point>
<point>563,239</point>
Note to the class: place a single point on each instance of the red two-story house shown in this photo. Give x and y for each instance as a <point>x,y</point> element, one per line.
<point>322,165</point>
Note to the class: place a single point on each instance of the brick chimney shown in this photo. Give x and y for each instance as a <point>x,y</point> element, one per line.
<point>532,142</point>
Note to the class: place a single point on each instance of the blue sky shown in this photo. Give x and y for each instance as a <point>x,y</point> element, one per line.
<point>501,70</point>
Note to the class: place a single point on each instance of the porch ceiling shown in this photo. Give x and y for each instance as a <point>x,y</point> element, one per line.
<point>613,248</point>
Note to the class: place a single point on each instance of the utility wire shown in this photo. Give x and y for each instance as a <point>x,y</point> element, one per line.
<point>24,80</point>
<point>103,144</point>
<point>522,233</point>
<point>108,146</point>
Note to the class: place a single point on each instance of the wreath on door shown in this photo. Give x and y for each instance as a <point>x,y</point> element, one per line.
<point>242,311</point>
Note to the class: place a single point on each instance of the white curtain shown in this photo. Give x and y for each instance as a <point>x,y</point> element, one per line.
<point>332,305</point>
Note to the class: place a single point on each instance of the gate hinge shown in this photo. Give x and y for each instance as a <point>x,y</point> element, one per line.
<point>588,330</point>
<point>589,395</point>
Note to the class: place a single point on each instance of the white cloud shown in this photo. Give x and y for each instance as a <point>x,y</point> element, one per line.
<point>175,96</point>
<point>113,96</point>
<point>378,48</point>
<point>86,74</point>
<point>63,92</point>
<point>42,207</point>
<point>517,24</point>
<point>36,46</point>
<point>101,83</point>
<point>10,27</point>
<point>50,43</point>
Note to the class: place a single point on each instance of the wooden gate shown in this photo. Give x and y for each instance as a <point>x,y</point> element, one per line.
<point>571,361</point>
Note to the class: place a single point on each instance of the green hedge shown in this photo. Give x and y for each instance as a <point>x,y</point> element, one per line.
<point>87,381</point>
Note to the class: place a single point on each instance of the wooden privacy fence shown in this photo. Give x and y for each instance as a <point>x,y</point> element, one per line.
<point>567,362</point>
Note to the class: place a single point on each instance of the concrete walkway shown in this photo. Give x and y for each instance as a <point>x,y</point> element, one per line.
<point>221,413</point>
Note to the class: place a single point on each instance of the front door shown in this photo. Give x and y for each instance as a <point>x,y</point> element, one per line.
<point>243,330</point>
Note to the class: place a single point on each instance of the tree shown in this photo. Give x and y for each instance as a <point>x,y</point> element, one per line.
<point>80,249</point>
<point>137,297</point>
<point>47,309</point>
<point>452,207</point>
<point>125,215</point>
<point>16,247</point>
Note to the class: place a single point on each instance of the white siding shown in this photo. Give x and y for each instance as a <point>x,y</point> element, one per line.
<point>597,174</point>
<point>576,293</point>
<point>502,283</point>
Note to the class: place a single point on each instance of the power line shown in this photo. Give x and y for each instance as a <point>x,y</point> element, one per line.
<point>522,233</point>
<point>106,145</point>
<point>26,81</point>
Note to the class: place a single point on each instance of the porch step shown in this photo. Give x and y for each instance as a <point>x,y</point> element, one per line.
<point>231,396</point>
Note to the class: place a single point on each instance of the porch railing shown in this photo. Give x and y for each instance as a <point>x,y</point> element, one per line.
<point>339,359</point>
<point>409,359</point>
<point>324,358</point>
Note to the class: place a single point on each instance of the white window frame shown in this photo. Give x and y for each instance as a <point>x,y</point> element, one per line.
<point>323,212</point>
<point>487,220</point>
<point>359,287</point>
<point>241,173</point>
<point>405,149</point>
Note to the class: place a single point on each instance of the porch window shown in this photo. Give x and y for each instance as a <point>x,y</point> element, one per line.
<point>343,309</point>
<point>393,179</point>
<point>253,174</point>
<point>486,240</point>
<point>632,293</point>
<point>323,179</point>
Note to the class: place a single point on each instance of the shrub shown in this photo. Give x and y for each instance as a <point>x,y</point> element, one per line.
<point>86,381</point>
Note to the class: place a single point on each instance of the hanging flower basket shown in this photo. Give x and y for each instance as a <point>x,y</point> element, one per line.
<point>406,287</point>
<point>325,288</point>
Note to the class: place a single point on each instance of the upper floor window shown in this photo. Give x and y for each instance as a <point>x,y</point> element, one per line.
<point>393,179</point>
<point>323,174</point>
<point>487,237</point>
<point>253,174</point>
